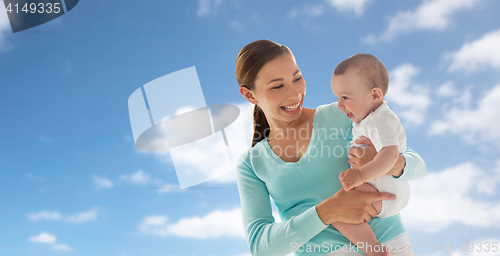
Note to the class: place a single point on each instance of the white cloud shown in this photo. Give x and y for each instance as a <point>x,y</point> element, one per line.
<point>411,97</point>
<point>430,15</point>
<point>446,90</point>
<point>82,216</point>
<point>236,25</point>
<point>316,10</point>
<point>479,54</point>
<point>128,138</point>
<point>57,216</point>
<point>479,125</point>
<point>138,178</point>
<point>61,247</point>
<point>308,11</point>
<point>47,238</point>
<point>45,215</point>
<point>465,99</point>
<point>206,7</point>
<point>33,177</point>
<point>165,188</point>
<point>216,224</point>
<point>101,182</point>
<point>68,66</point>
<point>443,198</point>
<point>356,6</point>
<point>43,238</point>
<point>45,139</point>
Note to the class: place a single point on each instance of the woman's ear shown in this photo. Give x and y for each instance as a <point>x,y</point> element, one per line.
<point>377,94</point>
<point>248,94</point>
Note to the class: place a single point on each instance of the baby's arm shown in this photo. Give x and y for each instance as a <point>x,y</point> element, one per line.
<point>380,165</point>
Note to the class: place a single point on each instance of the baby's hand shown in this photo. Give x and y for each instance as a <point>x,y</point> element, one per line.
<point>350,178</point>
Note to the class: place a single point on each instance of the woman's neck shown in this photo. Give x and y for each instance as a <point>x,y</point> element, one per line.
<point>281,130</point>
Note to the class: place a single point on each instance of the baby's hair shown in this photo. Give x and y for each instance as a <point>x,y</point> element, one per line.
<point>371,70</point>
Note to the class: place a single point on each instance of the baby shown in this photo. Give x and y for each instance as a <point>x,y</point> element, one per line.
<point>360,83</point>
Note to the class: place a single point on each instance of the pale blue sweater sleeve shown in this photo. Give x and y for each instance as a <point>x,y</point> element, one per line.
<point>415,166</point>
<point>265,236</point>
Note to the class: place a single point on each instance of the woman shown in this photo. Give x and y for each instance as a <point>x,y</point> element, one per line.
<point>296,157</point>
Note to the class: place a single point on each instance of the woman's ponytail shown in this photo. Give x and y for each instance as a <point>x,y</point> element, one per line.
<point>260,125</point>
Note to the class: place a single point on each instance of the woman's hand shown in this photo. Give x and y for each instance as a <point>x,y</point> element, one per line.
<point>361,156</point>
<point>350,206</point>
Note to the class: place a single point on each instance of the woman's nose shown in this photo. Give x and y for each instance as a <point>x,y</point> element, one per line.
<point>295,94</point>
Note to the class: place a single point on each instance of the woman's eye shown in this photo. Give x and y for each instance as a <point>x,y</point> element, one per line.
<point>344,97</point>
<point>277,87</point>
<point>297,79</point>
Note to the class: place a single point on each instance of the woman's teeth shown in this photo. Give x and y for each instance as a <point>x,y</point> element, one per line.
<point>291,108</point>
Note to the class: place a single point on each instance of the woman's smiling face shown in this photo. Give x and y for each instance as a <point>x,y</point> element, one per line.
<point>280,89</point>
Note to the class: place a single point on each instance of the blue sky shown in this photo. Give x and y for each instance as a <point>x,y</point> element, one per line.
<point>73,183</point>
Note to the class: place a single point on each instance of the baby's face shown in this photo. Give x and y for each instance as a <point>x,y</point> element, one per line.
<point>354,98</point>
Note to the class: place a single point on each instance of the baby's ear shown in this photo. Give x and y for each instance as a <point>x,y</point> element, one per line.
<point>377,94</point>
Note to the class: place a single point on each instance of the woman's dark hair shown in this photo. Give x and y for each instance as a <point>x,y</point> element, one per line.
<point>248,64</point>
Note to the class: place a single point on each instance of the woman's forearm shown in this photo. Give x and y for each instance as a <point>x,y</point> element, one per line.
<point>264,235</point>
<point>413,166</point>
<point>398,167</point>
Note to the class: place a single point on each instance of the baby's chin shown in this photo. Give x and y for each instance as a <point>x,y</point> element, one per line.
<point>353,118</point>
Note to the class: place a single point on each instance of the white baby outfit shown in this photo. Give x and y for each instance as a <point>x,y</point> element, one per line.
<point>383,128</point>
